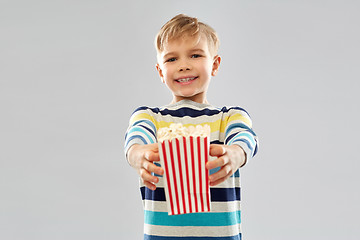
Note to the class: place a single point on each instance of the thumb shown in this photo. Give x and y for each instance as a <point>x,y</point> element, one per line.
<point>152,156</point>
<point>217,150</point>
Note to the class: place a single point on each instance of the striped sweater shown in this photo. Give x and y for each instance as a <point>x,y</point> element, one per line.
<point>229,125</point>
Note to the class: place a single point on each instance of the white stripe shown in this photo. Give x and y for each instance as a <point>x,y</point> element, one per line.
<point>197,177</point>
<point>173,176</point>
<point>222,231</point>
<point>177,200</point>
<point>191,174</point>
<point>142,135</point>
<point>188,105</point>
<point>203,173</point>
<point>228,183</point>
<point>162,180</point>
<point>184,174</point>
<point>207,176</point>
<point>170,177</point>
<point>231,206</point>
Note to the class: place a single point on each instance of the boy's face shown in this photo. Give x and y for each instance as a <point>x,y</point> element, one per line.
<point>186,66</point>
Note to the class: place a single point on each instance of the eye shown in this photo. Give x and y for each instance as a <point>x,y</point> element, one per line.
<point>195,56</point>
<point>171,60</point>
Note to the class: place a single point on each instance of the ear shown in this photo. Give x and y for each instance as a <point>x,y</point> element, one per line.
<point>216,65</point>
<point>160,72</point>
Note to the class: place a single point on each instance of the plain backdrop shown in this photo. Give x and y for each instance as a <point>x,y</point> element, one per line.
<point>72,72</point>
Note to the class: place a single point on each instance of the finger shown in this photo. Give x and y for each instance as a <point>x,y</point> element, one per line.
<point>217,150</point>
<point>223,172</point>
<point>152,156</point>
<point>146,176</point>
<point>149,185</point>
<point>220,180</point>
<point>149,166</point>
<point>219,162</point>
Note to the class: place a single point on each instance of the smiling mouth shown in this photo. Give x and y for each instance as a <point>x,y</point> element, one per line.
<point>185,80</point>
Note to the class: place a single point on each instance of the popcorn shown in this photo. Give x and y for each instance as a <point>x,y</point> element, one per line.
<point>184,152</point>
<point>177,130</point>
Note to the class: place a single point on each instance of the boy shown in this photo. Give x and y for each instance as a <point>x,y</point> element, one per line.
<point>187,59</point>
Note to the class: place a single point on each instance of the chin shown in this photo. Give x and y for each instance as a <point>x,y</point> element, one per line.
<point>187,96</point>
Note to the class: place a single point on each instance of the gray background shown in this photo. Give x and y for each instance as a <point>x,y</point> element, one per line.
<point>72,72</point>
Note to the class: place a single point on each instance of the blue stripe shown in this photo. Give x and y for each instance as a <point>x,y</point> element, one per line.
<point>237,173</point>
<point>241,135</point>
<point>256,149</point>
<point>159,165</point>
<point>229,140</point>
<point>214,170</point>
<point>139,129</point>
<point>238,125</point>
<point>216,142</point>
<point>216,194</point>
<point>193,219</point>
<point>151,124</point>
<point>225,109</point>
<point>135,137</point>
<point>185,111</point>
<point>230,137</point>
<point>148,129</point>
<point>151,237</point>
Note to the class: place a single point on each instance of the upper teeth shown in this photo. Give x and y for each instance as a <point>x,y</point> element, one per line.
<point>185,79</point>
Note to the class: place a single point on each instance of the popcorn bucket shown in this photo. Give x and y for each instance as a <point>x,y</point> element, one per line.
<point>186,178</point>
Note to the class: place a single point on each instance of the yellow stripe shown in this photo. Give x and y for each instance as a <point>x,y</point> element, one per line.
<point>141,116</point>
<point>214,126</point>
<point>217,125</point>
<point>237,117</point>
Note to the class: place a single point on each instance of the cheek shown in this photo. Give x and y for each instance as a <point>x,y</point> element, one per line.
<point>167,72</point>
<point>207,69</point>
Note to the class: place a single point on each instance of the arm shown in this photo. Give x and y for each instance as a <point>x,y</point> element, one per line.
<point>240,144</point>
<point>141,158</point>
<point>229,159</point>
<point>141,149</point>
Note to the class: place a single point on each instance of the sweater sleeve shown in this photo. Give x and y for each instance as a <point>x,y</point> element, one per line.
<point>239,131</point>
<point>141,128</point>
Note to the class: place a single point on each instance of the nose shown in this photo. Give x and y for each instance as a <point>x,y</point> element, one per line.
<point>184,66</point>
<point>181,69</point>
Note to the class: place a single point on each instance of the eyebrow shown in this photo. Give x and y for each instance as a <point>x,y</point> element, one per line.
<point>168,54</point>
<point>197,50</point>
<point>192,50</point>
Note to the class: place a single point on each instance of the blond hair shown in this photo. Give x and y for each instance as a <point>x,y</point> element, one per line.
<point>183,25</point>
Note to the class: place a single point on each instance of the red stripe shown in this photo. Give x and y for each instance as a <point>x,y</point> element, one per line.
<point>207,173</point>
<point>181,174</point>
<point>167,177</point>
<point>187,174</point>
<point>200,174</point>
<point>193,171</point>
<point>174,177</point>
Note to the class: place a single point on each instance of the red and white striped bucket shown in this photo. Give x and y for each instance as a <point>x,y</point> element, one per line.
<point>186,178</point>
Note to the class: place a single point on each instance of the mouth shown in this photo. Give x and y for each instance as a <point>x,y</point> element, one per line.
<point>185,79</point>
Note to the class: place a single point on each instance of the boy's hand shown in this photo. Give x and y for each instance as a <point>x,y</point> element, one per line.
<point>141,157</point>
<point>229,159</point>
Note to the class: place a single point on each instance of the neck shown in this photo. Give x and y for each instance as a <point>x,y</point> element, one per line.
<point>198,99</point>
